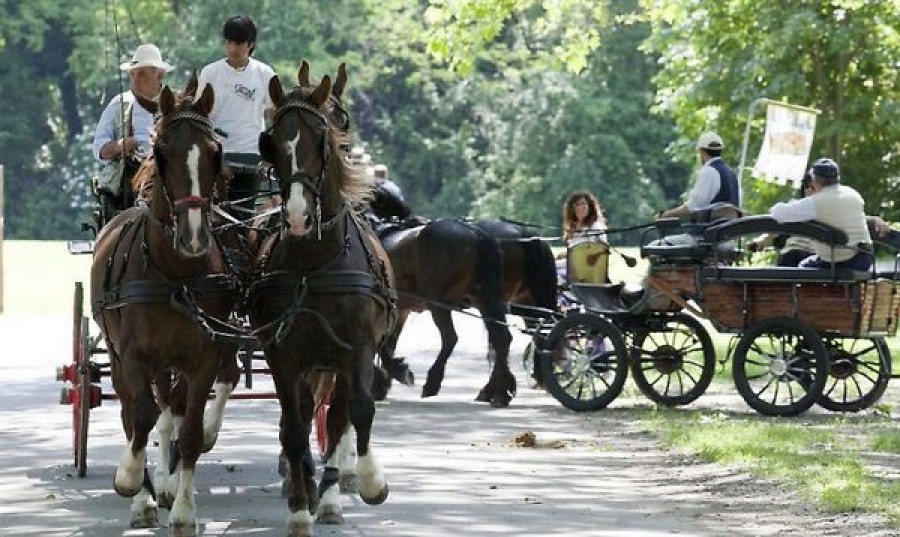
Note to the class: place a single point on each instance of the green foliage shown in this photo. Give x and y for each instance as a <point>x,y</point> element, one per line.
<point>838,56</point>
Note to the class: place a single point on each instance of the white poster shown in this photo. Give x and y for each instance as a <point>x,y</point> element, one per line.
<point>785,150</point>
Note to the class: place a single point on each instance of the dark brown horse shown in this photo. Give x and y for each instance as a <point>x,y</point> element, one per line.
<point>528,277</point>
<point>323,301</point>
<point>159,287</point>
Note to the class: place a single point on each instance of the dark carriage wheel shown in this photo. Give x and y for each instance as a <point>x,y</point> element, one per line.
<point>81,407</point>
<point>780,367</point>
<point>674,359</point>
<point>858,373</point>
<point>584,363</point>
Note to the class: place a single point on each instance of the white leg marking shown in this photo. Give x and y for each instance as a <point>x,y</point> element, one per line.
<point>371,476</point>
<point>144,511</point>
<point>165,427</point>
<point>212,422</point>
<point>130,473</point>
<point>345,456</point>
<point>184,511</point>
<point>300,524</point>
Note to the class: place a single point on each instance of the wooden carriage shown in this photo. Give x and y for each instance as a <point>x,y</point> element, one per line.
<point>805,336</point>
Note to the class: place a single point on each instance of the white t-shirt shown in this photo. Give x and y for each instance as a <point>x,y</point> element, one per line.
<point>241,98</point>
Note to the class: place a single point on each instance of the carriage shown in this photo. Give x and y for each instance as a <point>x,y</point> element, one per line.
<point>800,336</point>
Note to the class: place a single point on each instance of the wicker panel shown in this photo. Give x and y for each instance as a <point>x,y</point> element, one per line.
<point>825,307</point>
<point>880,305</point>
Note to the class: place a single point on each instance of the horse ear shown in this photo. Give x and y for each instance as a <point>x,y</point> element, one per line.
<point>206,101</point>
<point>303,75</point>
<point>191,88</point>
<point>276,92</point>
<point>322,92</point>
<point>340,81</point>
<point>166,101</point>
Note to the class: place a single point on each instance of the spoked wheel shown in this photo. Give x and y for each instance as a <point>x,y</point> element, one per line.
<point>674,359</point>
<point>858,374</point>
<point>81,404</point>
<point>584,363</point>
<point>780,367</point>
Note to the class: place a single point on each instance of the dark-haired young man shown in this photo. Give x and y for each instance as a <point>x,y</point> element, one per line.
<point>241,86</point>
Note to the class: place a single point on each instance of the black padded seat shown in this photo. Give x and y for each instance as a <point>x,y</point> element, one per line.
<point>685,252</point>
<point>784,274</point>
<point>602,298</point>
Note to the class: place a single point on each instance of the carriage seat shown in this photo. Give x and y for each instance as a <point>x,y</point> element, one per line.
<point>601,298</point>
<point>783,274</point>
<point>754,225</point>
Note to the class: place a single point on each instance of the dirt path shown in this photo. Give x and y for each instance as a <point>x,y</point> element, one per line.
<point>455,467</point>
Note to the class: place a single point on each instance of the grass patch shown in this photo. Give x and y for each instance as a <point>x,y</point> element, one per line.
<point>824,465</point>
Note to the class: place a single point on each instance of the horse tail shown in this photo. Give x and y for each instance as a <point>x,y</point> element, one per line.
<point>540,271</point>
<point>489,275</point>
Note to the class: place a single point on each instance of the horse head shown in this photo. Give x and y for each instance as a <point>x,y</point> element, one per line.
<point>188,164</point>
<point>316,188</point>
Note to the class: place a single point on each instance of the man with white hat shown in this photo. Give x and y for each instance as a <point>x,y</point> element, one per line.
<point>716,181</point>
<point>122,137</point>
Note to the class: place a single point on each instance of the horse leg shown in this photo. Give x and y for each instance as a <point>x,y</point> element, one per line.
<point>183,515</point>
<point>329,510</point>
<point>225,383</point>
<point>296,401</point>
<point>373,487</point>
<point>501,387</point>
<point>444,321</point>
<point>144,510</point>
<point>394,366</point>
<point>165,428</point>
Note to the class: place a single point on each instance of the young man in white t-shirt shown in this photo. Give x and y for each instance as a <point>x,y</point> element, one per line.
<point>241,86</point>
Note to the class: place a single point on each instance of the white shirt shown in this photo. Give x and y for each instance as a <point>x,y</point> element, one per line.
<point>142,123</point>
<point>241,98</point>
<point>800,210</point>
<point>706,187</point>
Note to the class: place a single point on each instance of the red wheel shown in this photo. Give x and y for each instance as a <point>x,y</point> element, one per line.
<point>81,401</point>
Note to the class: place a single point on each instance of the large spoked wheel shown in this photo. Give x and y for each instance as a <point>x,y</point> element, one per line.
<point>858,373</point>
<point>81,404</point>
<point>780,367</point>
<point>674,359</point>
<point>584,363</point>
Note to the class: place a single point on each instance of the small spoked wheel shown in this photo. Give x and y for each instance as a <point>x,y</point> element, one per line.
<point>858,374</point>
<point>780,367</point>
<point>673,360</point>
<point>584,362</point>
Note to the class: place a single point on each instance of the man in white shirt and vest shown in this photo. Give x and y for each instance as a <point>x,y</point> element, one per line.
<point>716,181</point>
<point>837,205</point>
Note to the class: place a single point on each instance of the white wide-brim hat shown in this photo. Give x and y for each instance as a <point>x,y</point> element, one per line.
<point>146,55</point>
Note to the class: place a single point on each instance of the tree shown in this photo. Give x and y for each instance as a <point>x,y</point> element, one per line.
<point>838,56</point>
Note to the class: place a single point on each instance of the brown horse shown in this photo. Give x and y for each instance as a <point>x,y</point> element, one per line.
<point>159,285</point>
<point>323,301</point>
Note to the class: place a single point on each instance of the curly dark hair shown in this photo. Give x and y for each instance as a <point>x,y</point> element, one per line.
<point>570,224</point>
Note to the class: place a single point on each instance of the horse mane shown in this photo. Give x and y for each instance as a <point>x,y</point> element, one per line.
<point>355,186</point>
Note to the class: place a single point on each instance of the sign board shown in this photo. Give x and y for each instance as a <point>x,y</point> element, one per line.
<point>784,154</point>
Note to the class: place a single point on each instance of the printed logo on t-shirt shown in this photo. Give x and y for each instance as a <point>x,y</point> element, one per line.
<point>243,91</point>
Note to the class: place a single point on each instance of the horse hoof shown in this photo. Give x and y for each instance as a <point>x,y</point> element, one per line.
<point>296,529</point>
<point>165,500</point>
<point>482,397</point>
<point>182,529</point>
<point>126,492</point>
<point>329,515</point>
<point>428,391</point>
<point>349,483</point>
<point>209,443</point>
<point>500,401</point>
<point>378,499</point>
<point>147,518</point>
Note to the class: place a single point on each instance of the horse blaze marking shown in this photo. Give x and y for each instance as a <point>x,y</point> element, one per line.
<point>194,216</point>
